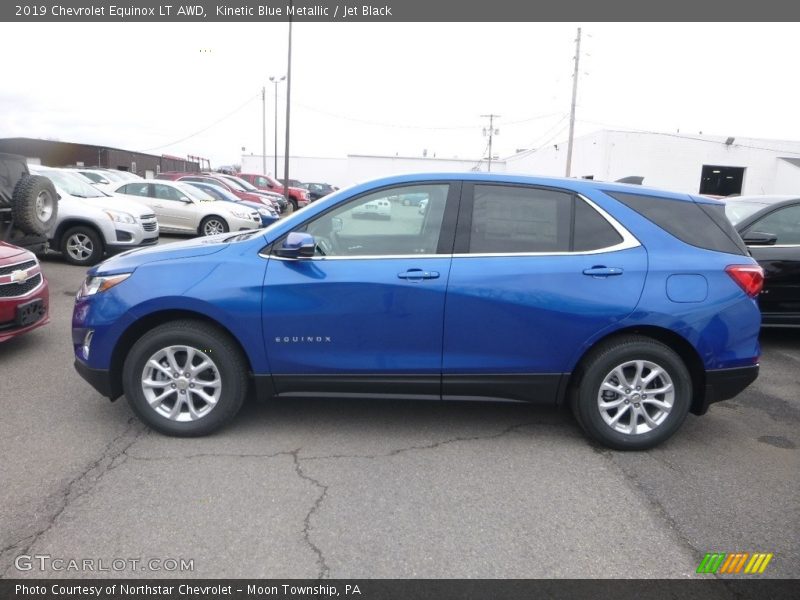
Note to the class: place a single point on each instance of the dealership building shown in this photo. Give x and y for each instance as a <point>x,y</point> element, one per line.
<point>717,165</point>
<point>54,153</point>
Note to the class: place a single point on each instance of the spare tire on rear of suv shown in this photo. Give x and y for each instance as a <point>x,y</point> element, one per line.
<point>35,204</point>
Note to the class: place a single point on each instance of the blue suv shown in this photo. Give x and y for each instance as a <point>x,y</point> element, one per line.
<point>633,306</point>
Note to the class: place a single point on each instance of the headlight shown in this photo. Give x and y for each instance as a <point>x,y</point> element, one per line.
<point>264,212</point>
<point>240,214</point>
<point>120,217</point>
<point>99,284</point>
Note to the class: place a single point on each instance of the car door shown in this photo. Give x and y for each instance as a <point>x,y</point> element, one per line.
<point>365,314</point>
<point>179,212</point>
<point>780,298</point>
<point>535,274</point>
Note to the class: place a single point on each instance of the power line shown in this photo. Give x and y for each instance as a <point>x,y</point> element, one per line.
<point>408,126</point>
<point>183,139</point>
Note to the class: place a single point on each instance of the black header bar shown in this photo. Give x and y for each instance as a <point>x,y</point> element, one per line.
<point>397,11</point>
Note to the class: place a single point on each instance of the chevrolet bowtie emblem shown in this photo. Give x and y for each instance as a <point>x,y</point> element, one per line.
<point>18,276</point>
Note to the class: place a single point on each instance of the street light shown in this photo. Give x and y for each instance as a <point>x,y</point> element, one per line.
<point>275,80</point>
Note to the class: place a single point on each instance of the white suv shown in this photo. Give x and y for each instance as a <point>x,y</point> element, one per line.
<point>91,224</point>
<point>183,208</point>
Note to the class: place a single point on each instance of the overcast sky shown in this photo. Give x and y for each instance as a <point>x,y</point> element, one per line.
<point>402,88</point>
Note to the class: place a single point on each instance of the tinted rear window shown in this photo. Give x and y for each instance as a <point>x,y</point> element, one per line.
<point>698,224</point>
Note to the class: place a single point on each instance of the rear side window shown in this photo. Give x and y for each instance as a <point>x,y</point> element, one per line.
<point>698,224</point>
<point>508,219</point>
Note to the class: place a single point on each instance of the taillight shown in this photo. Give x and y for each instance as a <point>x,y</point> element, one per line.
<point>749,277</point>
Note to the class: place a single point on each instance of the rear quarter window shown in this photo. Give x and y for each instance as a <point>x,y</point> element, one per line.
<point>698,224</point>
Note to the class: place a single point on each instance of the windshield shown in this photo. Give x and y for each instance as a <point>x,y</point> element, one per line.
<point>232,184</point>
<point>214,191</point>
<point>194,192</point>
<point>738,211</point>
<point>71,184</point>
<point>94,176</point>
<point>112,176</point>
<point>246,185</point>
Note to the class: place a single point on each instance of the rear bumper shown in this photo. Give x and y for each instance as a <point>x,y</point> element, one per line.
<point>724,384</point>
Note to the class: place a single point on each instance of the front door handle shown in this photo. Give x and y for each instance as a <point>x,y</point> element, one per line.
<point>418,274</point>
<point>602,271</point>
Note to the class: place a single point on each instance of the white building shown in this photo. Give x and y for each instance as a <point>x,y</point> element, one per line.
<point>682,163</point>
<point>356,168</point>
<point>706,164</point>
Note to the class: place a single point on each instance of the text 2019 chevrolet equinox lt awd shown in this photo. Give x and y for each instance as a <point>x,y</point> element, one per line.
<point>633,306</point>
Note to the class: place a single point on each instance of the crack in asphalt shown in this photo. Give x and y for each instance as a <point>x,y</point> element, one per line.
<point>79,485</point>
<point>115,454</point>
<point>432,446</point>
<point>324,570</point>
<point>650,498</point>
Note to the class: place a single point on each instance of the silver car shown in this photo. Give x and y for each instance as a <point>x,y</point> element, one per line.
<point>183,208</point>
<point>91,224</point>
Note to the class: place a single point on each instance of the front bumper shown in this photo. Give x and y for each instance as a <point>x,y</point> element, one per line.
<point>99,379</point>
<point>10,326</point>
<point>724,384</point>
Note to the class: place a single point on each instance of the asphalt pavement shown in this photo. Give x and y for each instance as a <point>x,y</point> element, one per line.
<point>382,489</point>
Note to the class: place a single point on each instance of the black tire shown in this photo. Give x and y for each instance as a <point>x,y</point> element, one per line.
<point>35,204</point>
<point>206,226</point>
<point>209,342</point>
<point>81,245</point>
<point>292,205</point>
<point>600,364</point>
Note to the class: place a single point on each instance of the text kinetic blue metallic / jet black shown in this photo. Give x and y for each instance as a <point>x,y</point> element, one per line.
<point>635,306</point>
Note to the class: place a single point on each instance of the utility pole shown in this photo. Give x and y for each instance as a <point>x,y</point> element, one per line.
<point>574,97</point>
<point>276,80</point>
<point>288,108</point>
<point>491,133</point>
<point>264,129</point>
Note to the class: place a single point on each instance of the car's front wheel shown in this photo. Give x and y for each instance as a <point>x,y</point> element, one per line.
<point>82,246</point>
<point>632,393</point>
<point>185,378</point>
<point>213,225</point>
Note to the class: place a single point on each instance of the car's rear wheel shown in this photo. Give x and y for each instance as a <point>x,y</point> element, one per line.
<point>185,378</point>
<point>213,225</point>
<point>632,393</point>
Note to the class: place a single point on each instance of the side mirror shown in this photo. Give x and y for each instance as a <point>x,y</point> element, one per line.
<point>337,224</point>
<point>759,238</point>
<point>297,245</point>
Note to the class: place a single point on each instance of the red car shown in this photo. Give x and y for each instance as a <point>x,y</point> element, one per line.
<point>24,295</point>
<point>297,196</point>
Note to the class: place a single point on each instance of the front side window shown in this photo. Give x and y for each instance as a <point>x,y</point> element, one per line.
<point>379,224</point>
<point>783,223</point>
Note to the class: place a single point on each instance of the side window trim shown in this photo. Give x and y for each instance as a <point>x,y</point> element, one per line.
<point>444,248</point>
<point>464,227</point>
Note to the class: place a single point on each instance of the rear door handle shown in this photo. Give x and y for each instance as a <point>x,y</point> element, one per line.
<point>602,271</point>
<point>418,274</point>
